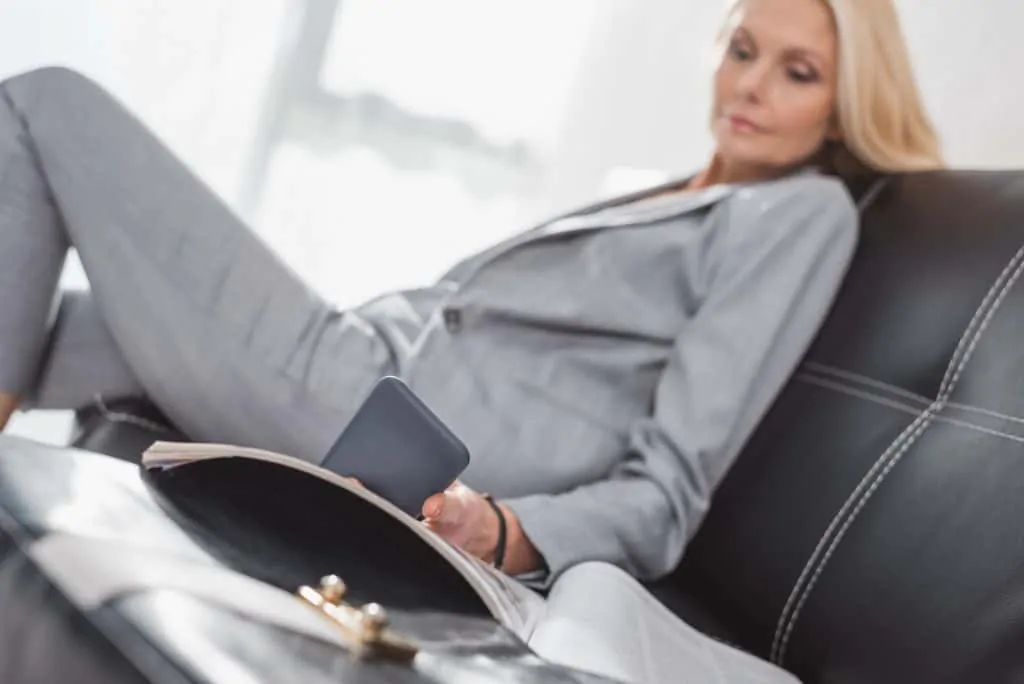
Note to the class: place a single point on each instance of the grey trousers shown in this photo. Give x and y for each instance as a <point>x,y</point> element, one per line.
<point>186,304</point>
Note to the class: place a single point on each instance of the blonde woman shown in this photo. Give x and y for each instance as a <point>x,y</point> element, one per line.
<point>604,368</point>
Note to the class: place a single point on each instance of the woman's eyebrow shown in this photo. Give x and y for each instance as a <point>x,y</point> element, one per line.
<point>807,54</point>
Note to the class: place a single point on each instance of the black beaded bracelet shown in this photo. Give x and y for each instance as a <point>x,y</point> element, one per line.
<point>499,550</point>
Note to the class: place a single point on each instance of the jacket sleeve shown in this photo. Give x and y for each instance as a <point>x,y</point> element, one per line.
<point>778,266</point>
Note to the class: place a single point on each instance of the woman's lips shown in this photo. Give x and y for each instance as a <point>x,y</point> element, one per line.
<point>742,124</point>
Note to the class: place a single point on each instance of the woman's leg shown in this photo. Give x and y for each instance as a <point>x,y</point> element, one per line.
<point>221,335</point>
<point>32,253</point>
<point>82,362</point>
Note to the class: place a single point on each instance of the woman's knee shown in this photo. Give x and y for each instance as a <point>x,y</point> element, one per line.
<point>55,86</point>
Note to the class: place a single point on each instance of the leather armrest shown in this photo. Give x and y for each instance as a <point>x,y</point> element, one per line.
<point>123,428</point>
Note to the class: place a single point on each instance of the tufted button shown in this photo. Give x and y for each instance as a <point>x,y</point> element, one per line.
<point>452,320</point>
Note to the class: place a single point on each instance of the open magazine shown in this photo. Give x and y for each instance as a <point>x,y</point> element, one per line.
<point>570,627</point>
<point>511,603</point>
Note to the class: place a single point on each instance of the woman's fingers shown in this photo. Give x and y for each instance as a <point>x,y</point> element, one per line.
<point>443,506</point>
<point>434,506</point>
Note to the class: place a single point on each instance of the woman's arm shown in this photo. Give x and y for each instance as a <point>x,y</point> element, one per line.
<point>782,260</point>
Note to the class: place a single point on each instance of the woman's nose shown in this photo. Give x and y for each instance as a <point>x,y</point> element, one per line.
<point>751,83</point>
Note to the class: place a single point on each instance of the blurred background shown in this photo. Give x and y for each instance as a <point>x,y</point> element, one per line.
<point>374,142</point>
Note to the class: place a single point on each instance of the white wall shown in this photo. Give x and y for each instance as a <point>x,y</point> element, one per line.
<point>643,97</point>
<point>194,71</point>
<point>969,57</point>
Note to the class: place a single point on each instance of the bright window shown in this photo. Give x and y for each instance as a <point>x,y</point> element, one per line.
<point>423,138</point>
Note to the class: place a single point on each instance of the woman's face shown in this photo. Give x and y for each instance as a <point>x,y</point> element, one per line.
<point>775,87</point>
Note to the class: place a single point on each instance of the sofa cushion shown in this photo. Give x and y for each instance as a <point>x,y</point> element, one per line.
<point>869,531</point>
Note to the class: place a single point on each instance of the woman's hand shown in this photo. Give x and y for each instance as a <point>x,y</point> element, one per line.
<point>466,519</point>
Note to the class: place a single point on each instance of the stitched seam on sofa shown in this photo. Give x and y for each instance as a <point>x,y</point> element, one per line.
<point>127,418</point>
<point>925,419</point>
<point>844,374</point>
<point>782,627</point>
<point>866,380</point>
<point>774,655</point>
<point>905,408</point>
<point>874,477</point>
<point>998,286</point>
<point>872,194</point>
<point>797,587</point>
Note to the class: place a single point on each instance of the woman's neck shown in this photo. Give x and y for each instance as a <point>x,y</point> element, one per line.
<point>719,171</point>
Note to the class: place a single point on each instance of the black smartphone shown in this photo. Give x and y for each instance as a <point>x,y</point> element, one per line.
<point>398,448</point>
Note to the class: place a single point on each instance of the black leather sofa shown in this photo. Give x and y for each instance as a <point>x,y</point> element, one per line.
<point>869,532</point>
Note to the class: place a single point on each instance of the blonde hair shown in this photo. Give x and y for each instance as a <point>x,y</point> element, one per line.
<point>883,120</point>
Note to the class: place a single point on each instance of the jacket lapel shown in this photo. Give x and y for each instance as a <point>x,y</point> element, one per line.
<point>583,220</point>
<point>579,220</point>
<point>587,219</point>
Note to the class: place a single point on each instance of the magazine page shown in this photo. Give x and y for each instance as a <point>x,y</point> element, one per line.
<point>514,605</point>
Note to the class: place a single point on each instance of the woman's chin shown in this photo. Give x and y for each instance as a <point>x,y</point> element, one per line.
<point>738,157</point>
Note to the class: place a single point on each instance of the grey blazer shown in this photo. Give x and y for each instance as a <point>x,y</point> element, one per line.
<point>606,367</point>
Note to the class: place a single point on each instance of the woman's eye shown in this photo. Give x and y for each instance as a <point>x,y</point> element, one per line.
<point>802,74</point>
<point>740,52</point>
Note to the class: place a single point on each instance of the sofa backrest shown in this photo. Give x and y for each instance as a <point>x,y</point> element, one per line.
<point>872,529</point>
